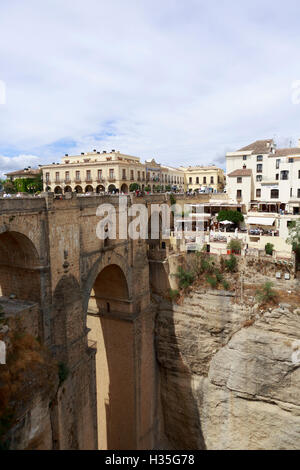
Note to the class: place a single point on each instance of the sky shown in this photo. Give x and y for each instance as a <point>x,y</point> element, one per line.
<point>179,81</point>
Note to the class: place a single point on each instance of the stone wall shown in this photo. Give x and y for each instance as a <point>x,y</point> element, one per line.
<point>229,374</point>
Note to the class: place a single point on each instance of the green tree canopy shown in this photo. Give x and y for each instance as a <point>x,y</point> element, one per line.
<point>232,216</point>
<point>134,187</point>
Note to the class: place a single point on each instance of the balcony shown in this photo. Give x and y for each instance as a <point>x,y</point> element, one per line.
<point>88,180</point>
<point>111,179</point>
<point>57,181</point>
<point>78,180</point>
<point>100,180</point>
<point>124,177</point>
<point>67,181</point>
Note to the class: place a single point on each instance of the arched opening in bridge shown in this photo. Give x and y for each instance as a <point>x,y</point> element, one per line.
<point>89,189</point>
<point>57,190</point>
<point>78,189</point>
<point>100,189</point>
<point>19,267</point>
<point>109,321</point>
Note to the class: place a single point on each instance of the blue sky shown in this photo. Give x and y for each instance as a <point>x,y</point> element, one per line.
<point>182,82</point>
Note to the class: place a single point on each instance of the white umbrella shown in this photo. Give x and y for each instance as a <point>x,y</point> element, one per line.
<point>226,222</point>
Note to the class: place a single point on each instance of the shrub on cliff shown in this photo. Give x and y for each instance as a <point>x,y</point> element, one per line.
<point>231,264</point>
<point>266,294</point>
<point>185,278</point>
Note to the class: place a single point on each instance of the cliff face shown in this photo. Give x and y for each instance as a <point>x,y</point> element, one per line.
<point>230,374</point>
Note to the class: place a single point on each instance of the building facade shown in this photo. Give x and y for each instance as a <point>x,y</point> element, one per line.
<point>108,172</point>
<point>204,178</point>
<point>265,178</point>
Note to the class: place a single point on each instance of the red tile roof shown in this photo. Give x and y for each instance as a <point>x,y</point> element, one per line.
<point>244,172</point>
<point>259,146</point>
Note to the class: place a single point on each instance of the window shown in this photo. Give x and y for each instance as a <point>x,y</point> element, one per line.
<point>259,158</point>
<point>204,179</point>
<point>259,178</point>
<point>197,180</point>
<point>211,180</point>
<point>143,175</point>
<point>244,167</point>
<point>99,175</point>
<point>259,168</point>
<point>239,194</point>
<point>139,175</point>
<point>190,180</point>
<point>298,193</point>
<point>67,176</point>
<point>258,193</point>
<point>77,176</point>
<point>277,176</point>
<point>278,163</point>
<point>131,175</point>
<point>57,176</point>
<point>284,175</point>
<point>298,174</point>
<point>123,173</point>
<point>239,179</point>
<point>47,176</point>
<point>111,174</point>
<point>88,175</point>
<point>244,157</point>
<point>291,192</point>
<point>274,193</point>
<point>291,160</point>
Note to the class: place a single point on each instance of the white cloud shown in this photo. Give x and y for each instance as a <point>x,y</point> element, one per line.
<point>181,81</point>
<point>8,164</point>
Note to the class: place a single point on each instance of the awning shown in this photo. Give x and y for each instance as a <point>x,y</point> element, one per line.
<point>260,221</point>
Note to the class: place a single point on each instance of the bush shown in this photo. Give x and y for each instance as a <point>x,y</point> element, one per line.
<point>226,285</point>
<point>186,278</point>
<point>231,264</point>
<point>212,281</point>
<point>269,248</point>
<point>219,276</point>
<point>266,293</point>
<point>172,200</point>
<point>235,246</point>
<point>173,294</point>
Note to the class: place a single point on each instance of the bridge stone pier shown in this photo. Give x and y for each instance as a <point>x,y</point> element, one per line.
<point>92,307</point>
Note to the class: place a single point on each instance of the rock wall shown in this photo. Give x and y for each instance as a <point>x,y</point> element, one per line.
<point>230,374</point>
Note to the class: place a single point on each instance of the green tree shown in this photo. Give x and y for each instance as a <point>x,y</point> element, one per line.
<point>233,216</point>
<point>269,248</point>
<point>134,187</point>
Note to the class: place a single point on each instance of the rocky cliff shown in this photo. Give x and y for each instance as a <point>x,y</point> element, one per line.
<point>230,373</point>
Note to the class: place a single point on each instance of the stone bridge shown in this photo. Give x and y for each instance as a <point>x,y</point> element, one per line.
<point>90,305</point>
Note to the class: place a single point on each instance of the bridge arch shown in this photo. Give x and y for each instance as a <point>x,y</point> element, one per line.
<point>19,263</point>
<point>110,325</point>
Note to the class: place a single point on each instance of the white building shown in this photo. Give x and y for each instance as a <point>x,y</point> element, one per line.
<point>264,178</point>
